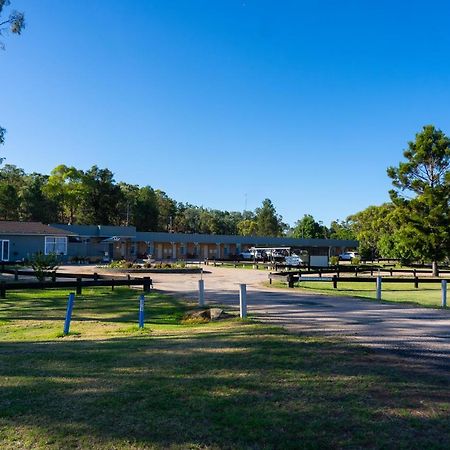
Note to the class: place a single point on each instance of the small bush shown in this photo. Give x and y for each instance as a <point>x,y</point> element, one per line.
<point>334,260</point>
<point>356,261</point>
<point>42,264</point>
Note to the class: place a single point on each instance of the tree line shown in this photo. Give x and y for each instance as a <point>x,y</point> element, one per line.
<point>71,195</point>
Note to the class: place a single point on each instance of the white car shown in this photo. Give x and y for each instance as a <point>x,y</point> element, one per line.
<point>293,260</point>
<point>348,256</point>
<point>246,255</point>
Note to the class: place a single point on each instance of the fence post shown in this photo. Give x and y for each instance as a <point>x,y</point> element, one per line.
<point>16,275</point>
<point>141,310</point>
<point>444,293</point>
<point>379,283</point>
<point>147,284</point>
<point>290,280</point>
<point>112,284</point>
<point>243,301</point>
<point>2,289</point>
<point>201,292</point>
<point>335,278</point>
<point>416,282</point>
<point>95,276</point>
<point>69,312</point>
<point>53,277</point>
<point>129,278</point>
<point>270,278</point>
<point>79,286</point>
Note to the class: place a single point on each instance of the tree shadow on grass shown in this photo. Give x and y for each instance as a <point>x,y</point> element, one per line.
<point>249,387</point>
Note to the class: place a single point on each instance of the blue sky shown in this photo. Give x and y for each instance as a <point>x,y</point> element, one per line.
<point>225,103</point>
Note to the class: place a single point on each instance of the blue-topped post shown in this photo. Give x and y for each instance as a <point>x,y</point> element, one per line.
<point>69,312</point>
<point>141,310</point>
<point>444,293</point>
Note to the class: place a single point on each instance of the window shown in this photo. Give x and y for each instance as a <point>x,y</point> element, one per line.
<point>57,245</point>
<point>4,250</point>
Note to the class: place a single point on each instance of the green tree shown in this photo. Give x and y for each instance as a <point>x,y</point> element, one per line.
<point>187,219</point>
<point>269,223</point>
<point>145,211</point>
<point>9,202</point>
<point>102,197</point>
<point>167,210</point>
<point>35,204</point>
<point>422,190</point>
<point>371,226</point>
<point>307,227</point>
<point>247,227</point>
<point>341,229</point>
<point>66,188</point>
<point>12,180</point>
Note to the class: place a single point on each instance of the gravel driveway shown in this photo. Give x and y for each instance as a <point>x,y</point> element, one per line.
<point>422,334</point>
<point>419,333</point>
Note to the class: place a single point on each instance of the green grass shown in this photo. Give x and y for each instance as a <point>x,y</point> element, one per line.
<point>233,384</point>
<point>428,295</point>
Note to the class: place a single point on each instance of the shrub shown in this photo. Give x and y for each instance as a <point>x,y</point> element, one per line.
<point>42,264</point>
<point>334,260</point>
<point>356,261</point>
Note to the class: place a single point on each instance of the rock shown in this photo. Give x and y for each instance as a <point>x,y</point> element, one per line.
<point>215,313</point>
<point>207,314</point>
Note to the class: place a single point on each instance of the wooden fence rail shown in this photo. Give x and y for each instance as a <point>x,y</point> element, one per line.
<point>292,278</point>
<point>78,284</point>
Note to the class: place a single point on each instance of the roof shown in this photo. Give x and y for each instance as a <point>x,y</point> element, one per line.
<point>30,229</point>
<point>268,241</point>
<point>98,230</point>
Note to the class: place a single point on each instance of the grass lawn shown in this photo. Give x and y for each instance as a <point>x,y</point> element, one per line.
<point>231,384</point>
<point>428,294</point>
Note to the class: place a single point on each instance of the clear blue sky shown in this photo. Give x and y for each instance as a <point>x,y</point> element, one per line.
<point>303,102</point>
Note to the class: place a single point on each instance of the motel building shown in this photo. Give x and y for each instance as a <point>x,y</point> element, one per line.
<point>97,243</point>
<point>127,243</point>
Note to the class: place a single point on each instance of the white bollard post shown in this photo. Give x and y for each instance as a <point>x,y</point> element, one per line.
<point>444,293</point>
<point>201,293</point>
<point>379,282</point>
<point>243,301</point>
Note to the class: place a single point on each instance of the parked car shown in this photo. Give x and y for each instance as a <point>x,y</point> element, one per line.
<point>348,256</point>
<point>293,260</point>
<point>246,255</point>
